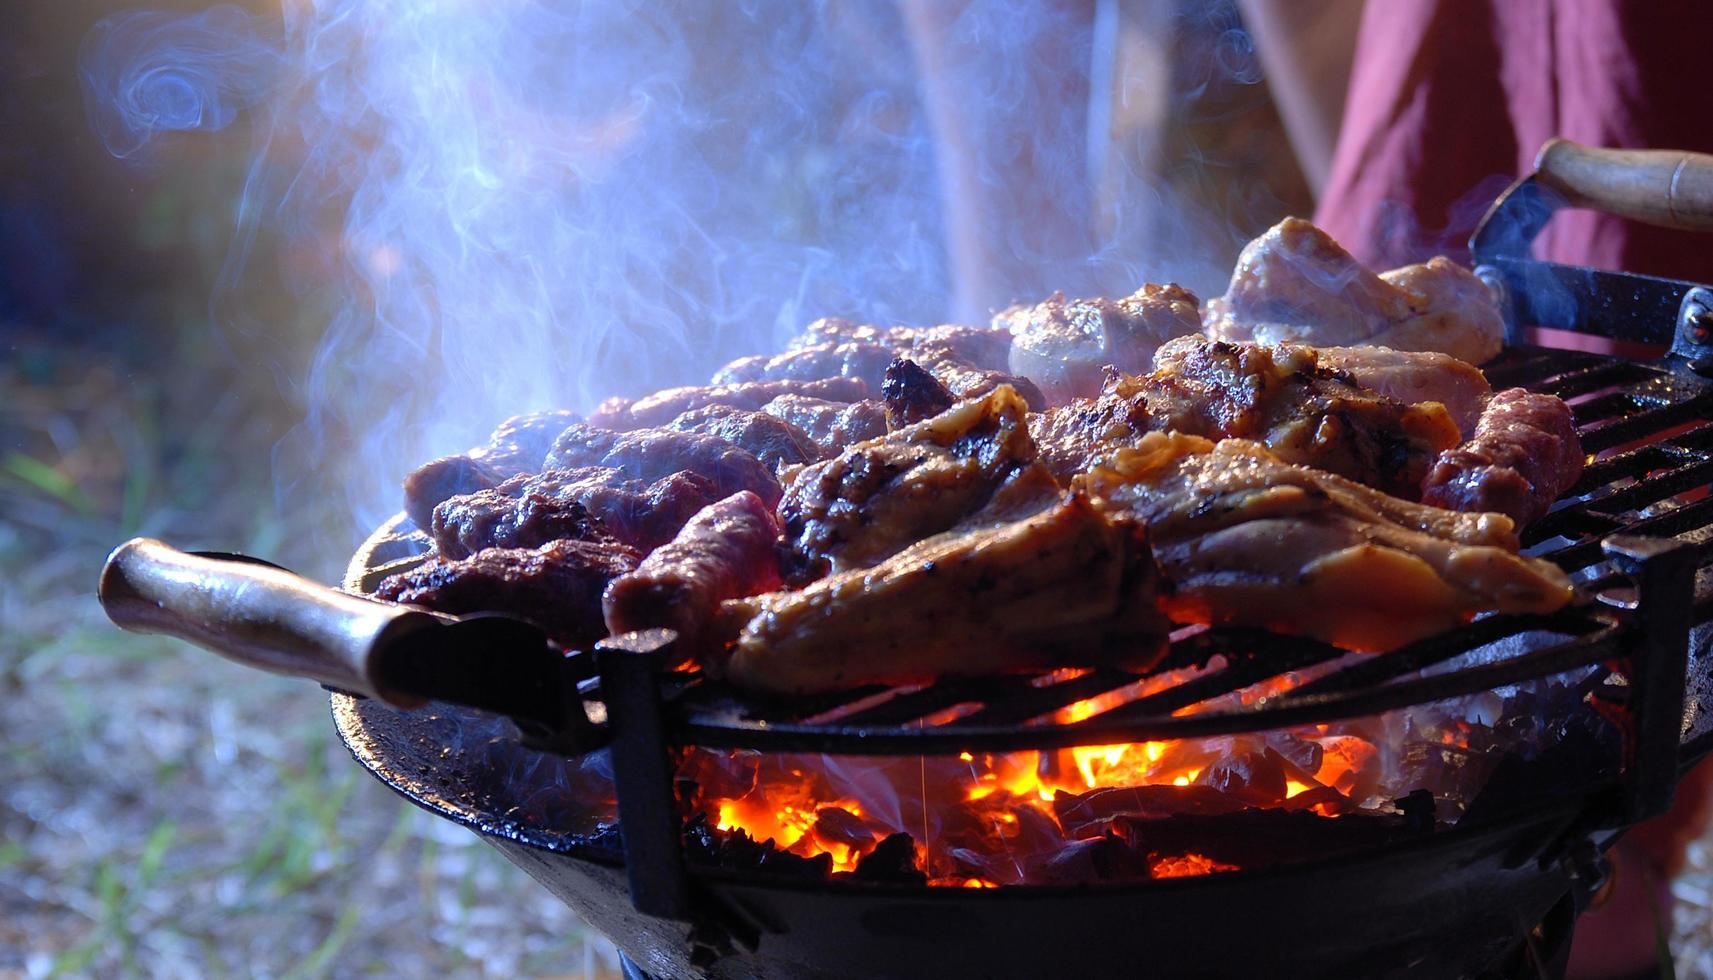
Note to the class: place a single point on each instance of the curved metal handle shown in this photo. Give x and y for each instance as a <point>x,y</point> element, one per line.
<point>260,616</point>
<point>1669,188</point>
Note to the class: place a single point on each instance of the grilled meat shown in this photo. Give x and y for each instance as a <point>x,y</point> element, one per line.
<point>649,454</point>
<point>442,479</point>
<point>979,347</point>
<point>1244,538</point>
<point>557,586</point>
<point>1064,346</point>
<point>1524,454</point>
<point>878,497</point>
<point>519,444</point>
<point>965,380</point>
<point>726,551</point>
<point>1295,283</point>
<point>1306,413</point>
<point>912,394</point>
<point>1070,437</point>
<point>587,503</point>
<point>1413,377</point>
<point>664,406</point>
<point>1067,587</point>
<point>832,425</point>
<point>770,439</point>
<point>864,360</point>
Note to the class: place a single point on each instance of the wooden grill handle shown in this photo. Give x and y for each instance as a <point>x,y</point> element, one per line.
<point>1670,188</point>
<point>260,616</point>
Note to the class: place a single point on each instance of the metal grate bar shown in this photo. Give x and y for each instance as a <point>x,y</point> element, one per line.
<point>1673,522</point>
<point>1055,697</point>
<point>1641,425</point>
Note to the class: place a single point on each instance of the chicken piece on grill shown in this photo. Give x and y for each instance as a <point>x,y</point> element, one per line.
<point>864,360</point>
<point>557,586</point>
<point>979,347</point>
<point>878,497</point>
<point>964,380</point>
<point>1064,346</point>
<point>1070,437</point>
<point>520,443</point>
<point>649,454</point>
<point>728,550</point>
<point>832,425</point>
<point>1244,538</point>
<point>1524,454</point>
<point>664,406</point>
<point>1304,412</point>
<point>1414,377</point>
<point>1295,283</point>
<point>770,439</point>
<point>442,479</point>
<point>912,394</point>
<point>583,503</point>
<point>1068,587</point>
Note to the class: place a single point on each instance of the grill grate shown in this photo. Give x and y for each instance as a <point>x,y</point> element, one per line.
<point>1654,430</point>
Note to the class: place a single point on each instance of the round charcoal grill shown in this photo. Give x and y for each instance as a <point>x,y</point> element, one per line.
<point>1494,895</point>
<point>1436,902</point>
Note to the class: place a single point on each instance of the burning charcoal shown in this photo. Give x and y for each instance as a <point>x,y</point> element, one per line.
<point>1322,799</point>
<point>1256,778</point>
<point>911,394</point>
<point>772,440</point>
<point>558,586</point>
<point>1260,837</point>
<point>449,476</point>
<point>520,443</point>
<point>651,454</point>
<point>1299,752</point>
<point>835,825</point>
<point>892,860</point>
<point>1104,858</point>
<point>1081,813</point>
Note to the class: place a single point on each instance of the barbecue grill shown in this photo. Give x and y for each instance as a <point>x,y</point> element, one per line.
<point>1496,894</point>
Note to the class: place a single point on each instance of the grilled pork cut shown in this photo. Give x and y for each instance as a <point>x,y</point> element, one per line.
<point>726,551</point>
<point>911,394</point>
<point>664,406</point>
<point>1065,346</point>
<point>653,453</point>
<point>831,425</point>
<point>979,347</point>
<point>1302,410</point>
<point>557,586</point>
<point>1414,377</point>
<point>1295,283</point>
<point>1244,538</point>
<point>770,439</point>
<point>878,497</point>
<point>1525,453</point>
<point>1069,586</point>
<point>581,503</point>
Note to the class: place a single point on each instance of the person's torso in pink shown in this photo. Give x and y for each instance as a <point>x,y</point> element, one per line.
<point>1451,100</point>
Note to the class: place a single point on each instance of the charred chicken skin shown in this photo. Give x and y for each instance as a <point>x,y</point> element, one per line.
<point>1244,538</point>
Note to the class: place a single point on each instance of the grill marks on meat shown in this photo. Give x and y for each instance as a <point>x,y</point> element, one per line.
<point>1066,587</point>
<point>1306,413</point>
<point>1070,437</point>
<point>770,439</point>
<point>1244,538</point>
<point>1294,283</point>
<point>651,454</point>
<point>586,502</point>
<point>664,406</point>
<point>878,497</point>
<point>911,394</point>
<point>1524,454</point>
<point>726,551</point>
<point>1065,345</point>
<point>832,425</point>
<point>557,586</point>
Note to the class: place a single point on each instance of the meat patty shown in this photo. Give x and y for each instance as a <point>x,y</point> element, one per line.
<point>1524,455</point>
